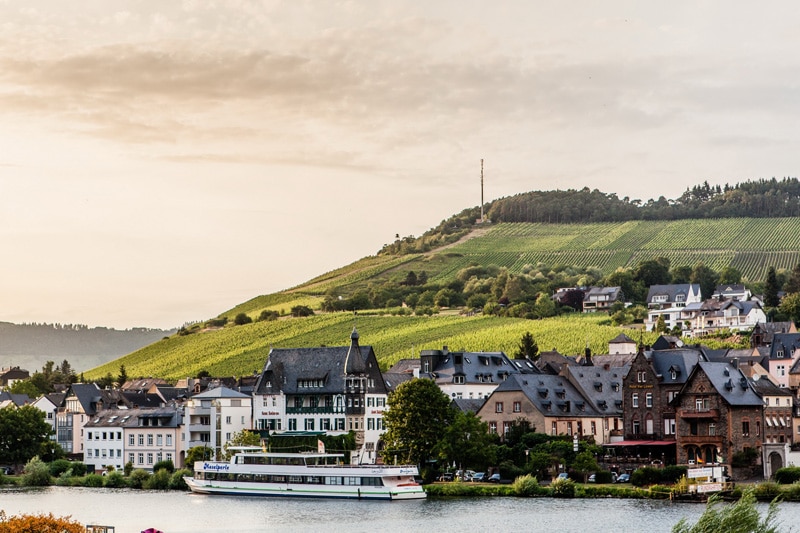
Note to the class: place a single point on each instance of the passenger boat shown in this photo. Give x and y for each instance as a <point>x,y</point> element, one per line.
<point>254,472</point>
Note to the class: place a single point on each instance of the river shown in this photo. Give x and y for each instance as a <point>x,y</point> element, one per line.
<point>131,511</point>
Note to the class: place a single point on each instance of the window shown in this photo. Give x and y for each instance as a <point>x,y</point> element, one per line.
<point>149,458</point>
<point>309,424</point>
<point>227,420</point>
<point>669,426</point>
<point>131,439</point>
<point>169,439</point>
<point>150,440</point>
<point>641,377</point>
<point>758,428</point>
<point>493,428</point>
<point>712,429</point>
<point>702,403</point>
<point>292,424</point>
<point>594,428</point>
<point>159,439</point>
<point>141,439</point>
<point>498,407</point>
<point>745,428</point>
<point>635,399</point>
<point>506,427</point>
<point>636,427</point>
<point>648,399</point>
<point>169,456</point>
<point>131,458</point>
<point>141,458</point>
<point>693,427</point>
<point>554,428</point>
<point>458,380</point>
<point>517,407</point>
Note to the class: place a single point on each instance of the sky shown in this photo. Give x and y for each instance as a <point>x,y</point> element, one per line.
<point>162,162</point>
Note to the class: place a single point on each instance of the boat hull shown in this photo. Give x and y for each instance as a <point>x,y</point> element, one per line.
<point>304,491</point>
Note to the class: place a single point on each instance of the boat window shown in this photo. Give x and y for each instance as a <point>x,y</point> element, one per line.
<point>372,481</point>
<point>333,480</point>
<point>295,479</point>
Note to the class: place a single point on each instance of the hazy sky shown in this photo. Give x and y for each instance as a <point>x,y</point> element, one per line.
<point>161,162</point>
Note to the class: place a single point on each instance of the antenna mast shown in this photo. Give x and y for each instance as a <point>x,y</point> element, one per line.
<point>481,190</point>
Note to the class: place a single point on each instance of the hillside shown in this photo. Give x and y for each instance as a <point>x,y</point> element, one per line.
<point>750,245</point>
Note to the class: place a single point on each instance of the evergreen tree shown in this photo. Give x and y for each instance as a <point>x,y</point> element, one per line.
<point>771,289</point>
<point>123,375</point>
<point>527,349</point>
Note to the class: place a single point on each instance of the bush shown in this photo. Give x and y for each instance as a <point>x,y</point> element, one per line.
<point>672,473</point>
<point>64,479</point>
<point>36,474</point>
<point>58,467</point>
<point>78,468</point>
<point>792,492</point>
<point>115,480</point>
<point>138,478</point>
<point>167,464</point>
<point>603,476</point>
<point>158,481</point>
<point>40,522</point>
<point>767,491</point>
<point>563,488</point>
<point>176,481</point>
<point>787,475</point>
<point>93,480</point>
<point>508,470</point>
<point>526,486</point>
<point>645,476</point>
<point>128,468</point>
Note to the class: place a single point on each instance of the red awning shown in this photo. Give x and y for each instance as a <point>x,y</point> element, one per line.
<point>642,443</point>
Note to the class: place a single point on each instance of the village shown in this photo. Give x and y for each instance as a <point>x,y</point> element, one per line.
<point>672,403</point>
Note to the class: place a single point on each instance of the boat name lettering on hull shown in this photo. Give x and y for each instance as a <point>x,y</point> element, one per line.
<point>207,466</point>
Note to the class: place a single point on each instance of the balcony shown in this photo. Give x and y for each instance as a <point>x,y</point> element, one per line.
<point>699,413</point>
<point>701,440</point>
<point>314,410</point>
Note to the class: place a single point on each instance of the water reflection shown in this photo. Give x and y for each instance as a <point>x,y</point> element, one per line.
<point>176,512</point>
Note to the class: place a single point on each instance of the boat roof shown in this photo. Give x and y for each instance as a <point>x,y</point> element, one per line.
<point>257,450</point>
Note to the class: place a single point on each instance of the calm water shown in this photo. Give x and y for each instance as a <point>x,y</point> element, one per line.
<point>178,512</point>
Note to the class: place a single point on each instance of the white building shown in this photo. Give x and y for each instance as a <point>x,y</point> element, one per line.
<point>212,418</point>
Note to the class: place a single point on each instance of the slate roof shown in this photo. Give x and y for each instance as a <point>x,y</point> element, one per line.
<point>681,360</point>
<point>552,362</point>
<point>477,367</point>
<point>142,383</point>
<point>286,367</point>
<point>90,396</point>
<point>622,339</point>
<point>672,291</point>
<point>611,360</point>
<point>468,405</point>
<point>170,394</point>
<point>17,399</point>
<point>766,387</point>
<point>769,329</point>
<point>220,392</point>
<point>602,386</point>
<point>168,417</point>
<point>785,342</point>
<point>593,293</point>
<point>142,399</point>
<point>393,379</point>
<point>730,383</point>
<point>405,366</point>
<point>551,395</point>
<point>667,342</point>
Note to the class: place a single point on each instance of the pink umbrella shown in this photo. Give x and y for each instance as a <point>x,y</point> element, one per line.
<point>152,530</point>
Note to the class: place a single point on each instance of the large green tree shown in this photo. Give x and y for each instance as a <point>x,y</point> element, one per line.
<point>466,442</point>
<point>418,414</point>
<point>527,348</point>
<point>771,289</point>
<point>240,438</point>
<point>653,272</point>
<point>24,434</point>
<point>706,278</point>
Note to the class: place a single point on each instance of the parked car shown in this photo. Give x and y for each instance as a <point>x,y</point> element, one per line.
<point>563,475</point>
<point>447,476</point>
<point>7,470</point>
<point>624,478</point>
<point>479,477</point>
<point>592,478</point>
<point>494,478</point>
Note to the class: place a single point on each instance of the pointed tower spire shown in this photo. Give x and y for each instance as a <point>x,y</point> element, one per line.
<point>354,362</point>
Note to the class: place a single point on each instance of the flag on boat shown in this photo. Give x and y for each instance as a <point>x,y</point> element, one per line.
<point>320,446</point>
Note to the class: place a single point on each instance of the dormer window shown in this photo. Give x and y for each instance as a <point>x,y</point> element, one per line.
<point>673,375</point>
<point>458,380</point>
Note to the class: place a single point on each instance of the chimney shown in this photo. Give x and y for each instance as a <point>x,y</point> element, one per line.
<point>735,362</point>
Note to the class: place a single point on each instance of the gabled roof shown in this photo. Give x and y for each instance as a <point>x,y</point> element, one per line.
<point>468,405</point>
<point>142,399</point>
<point>551,395</point>
<point>786,343</point>
<point>594,292</point>
<point>90,397</point>
<point>622,339</point>
<point>17,399</point>
<point>286,368</point>
<point>601,386</point>
<point>475,367</point>
<point>667,342</point>
<point>766,387</point>
<point>393,379</point>
<point>405,366</point>
<point>167,417</point>
<point>679,362</point>
<point>672,291</point>
<point>730,383</point>
<point>220,392</point>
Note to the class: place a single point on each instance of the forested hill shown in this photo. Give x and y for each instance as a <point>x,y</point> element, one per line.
<point>66,340</point>
<point>754,199</point>
<point>771,198</point>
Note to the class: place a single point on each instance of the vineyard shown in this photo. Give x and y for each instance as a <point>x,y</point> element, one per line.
<point>749,245</point>
<point>242,350</point>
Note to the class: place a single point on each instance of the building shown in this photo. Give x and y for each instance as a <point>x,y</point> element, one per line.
<point>550,404</point>
<point>211,418</point>
<point>733,291</point>
<point>470,375</point>
<point>9,376</point>
<point>712,316</point>
<point>49,403</point>
<point>622,345</point>
<point>665,302</point>
<point>601,298</point>
<point>719,414</point>
<point>777,428</point>
<point>330,389</point>
<point>142,437</point>
<point>81,403</point>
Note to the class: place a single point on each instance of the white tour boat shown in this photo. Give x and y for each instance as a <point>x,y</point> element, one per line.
<point>254,472</point>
